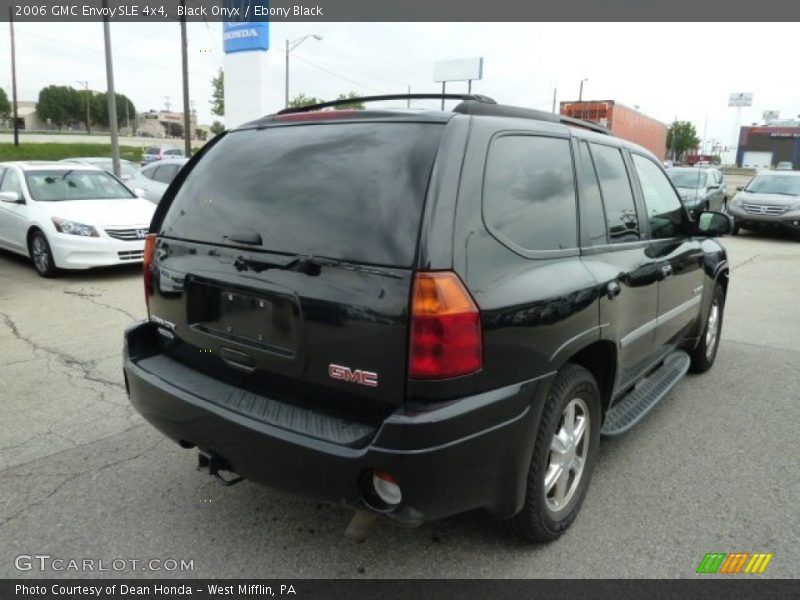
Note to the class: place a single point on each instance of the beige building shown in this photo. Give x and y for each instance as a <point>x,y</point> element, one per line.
<point>163,124</point>
<point>28,117</point>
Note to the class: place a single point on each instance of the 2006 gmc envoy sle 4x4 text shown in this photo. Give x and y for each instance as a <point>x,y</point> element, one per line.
<point>420,313</point>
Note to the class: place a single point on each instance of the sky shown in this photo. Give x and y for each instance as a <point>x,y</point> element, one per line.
<point>668,70</point>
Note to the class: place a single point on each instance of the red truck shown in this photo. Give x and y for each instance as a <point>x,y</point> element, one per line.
<point>624,122</point>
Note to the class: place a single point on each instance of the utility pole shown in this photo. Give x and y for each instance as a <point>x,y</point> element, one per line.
<point>167,103</point>
<point>187,117</point>
<point>85,84</point>
<point>408,100</point>
<point>111,95</point>
<point>554,99</point>
<point>291,45</point>
<point>13,77</point>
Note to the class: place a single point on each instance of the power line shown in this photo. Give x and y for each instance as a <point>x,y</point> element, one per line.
<point>332,73</point>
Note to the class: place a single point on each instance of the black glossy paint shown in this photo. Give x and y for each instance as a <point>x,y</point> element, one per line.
<point>271,323</point>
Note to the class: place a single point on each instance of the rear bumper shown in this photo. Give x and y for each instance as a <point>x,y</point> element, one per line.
<point>468,453</point>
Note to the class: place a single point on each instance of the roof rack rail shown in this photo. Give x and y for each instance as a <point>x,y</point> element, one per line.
<point>503,110</point>
<point>463,97</point>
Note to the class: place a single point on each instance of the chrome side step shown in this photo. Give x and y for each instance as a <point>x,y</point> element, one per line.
<point>631,409</point>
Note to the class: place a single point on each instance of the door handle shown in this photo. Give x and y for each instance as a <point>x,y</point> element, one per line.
<point>666,271</point>
<point>613,290</point>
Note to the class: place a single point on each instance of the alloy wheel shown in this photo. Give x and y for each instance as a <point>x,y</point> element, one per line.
<point>41,254</point>
<point>712,330</point>
<point>568,451</point>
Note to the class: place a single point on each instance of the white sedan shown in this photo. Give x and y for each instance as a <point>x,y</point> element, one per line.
<point>70,216</point>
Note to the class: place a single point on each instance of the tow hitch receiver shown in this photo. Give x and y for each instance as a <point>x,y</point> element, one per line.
<point>215,464</point>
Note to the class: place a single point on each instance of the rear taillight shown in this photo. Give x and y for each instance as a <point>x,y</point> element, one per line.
<point>149,251</point>
<point>445,328</point>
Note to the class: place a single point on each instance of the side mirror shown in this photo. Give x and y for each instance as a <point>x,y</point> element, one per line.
<point>711,223</point>
<point>139,192</point>
<point>739,188</point>
<point>11,197</point>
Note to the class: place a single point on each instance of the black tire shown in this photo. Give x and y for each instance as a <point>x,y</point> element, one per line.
<point>736,229</point>
<point>705,353</point>
<point>41,255</point>
<point>537,521</point>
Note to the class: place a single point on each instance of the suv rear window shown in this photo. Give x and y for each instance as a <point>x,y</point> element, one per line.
<point>351,191</point>
<point>152,150</point>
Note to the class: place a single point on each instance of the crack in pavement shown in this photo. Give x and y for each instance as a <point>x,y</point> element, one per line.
<point>91,298</point>
<point>74,476</point>
<point>85,366</point>
<point>744,262</point>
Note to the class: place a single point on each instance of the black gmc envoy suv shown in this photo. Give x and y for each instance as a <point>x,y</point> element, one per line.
<point>417,313</point>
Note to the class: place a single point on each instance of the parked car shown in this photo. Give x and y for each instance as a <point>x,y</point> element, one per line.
<point>70,217</point>
<point>154,179</point>
<point>784,165</point>
<point>127,168</point>
<point>770,201</point>
<point>153,153</point>
<point>700,188</point>
<point>397,311</point>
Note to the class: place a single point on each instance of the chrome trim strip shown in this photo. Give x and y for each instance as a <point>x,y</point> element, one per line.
<point>573,339</point>
<point>642,330</point>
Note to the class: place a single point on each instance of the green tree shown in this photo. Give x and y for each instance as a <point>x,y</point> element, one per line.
<point>217,127</point>
<point>200,134</point>
<point>5,105</point>
<point>301,100</point>
<point>218,94</point>
<point>59,103</point>
<point>348,96</point>
<point>681,136</point>
<point>99,106</point>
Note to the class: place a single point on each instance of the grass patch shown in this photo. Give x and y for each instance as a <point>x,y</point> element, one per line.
<point>54,151</point>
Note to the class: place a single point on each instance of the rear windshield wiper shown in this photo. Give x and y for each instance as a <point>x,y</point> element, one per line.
<point>309,265</point>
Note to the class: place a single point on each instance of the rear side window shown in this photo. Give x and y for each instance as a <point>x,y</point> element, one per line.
<point>166,173</point>
<point>623,224</point>
<point>529,192</point>
<point>351,191</point>
<point>173,152</point>
<point>593,219</point>
<point>152,150</point>
<point>150,173</point>
<point>663,206</point>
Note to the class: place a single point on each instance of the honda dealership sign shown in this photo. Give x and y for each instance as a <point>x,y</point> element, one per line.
<point>245,37</point>
<point>245,34</point>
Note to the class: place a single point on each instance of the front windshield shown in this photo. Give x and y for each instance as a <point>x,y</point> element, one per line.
<point>687,179</point>
<point>774,184</point>
<point>57,185</point>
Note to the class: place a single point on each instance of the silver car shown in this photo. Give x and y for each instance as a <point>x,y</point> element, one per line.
<point>151,182</point>
<point>154,153</point>
<point>700,188</point>
<point>770,201</point>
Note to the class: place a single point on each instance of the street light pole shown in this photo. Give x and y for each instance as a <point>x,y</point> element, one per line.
<point>111,95</point>
<point>13,77</point>
<point>187,119</point>
<point>291,45</point>
<point>580,95</point>
<point>85,85</point>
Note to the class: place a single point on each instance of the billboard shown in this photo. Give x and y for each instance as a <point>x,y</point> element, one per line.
<point>740,99</point>
<point>461,69</point>
<point>771,115</point>
<point>246,34</point>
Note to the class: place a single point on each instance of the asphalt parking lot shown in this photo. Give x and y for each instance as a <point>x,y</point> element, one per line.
<point>713,468</point>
